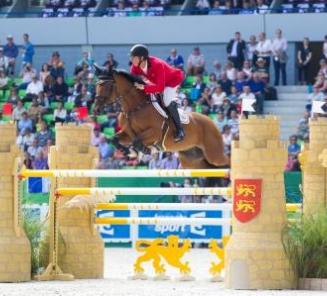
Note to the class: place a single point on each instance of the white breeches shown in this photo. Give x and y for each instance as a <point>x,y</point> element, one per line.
<point>169,95</point>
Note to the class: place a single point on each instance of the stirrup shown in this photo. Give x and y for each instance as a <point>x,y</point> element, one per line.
<point>180,135</point>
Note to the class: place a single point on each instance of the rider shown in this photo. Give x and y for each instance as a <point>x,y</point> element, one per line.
<point>160,77</point>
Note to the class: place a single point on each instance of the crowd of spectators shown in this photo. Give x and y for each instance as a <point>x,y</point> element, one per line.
<point>217,7</point>
<point>316,93</point>
<point>66,8</point>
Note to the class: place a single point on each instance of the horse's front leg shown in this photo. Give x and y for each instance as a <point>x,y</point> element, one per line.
<point>121,141</point>
<point>145,139</point>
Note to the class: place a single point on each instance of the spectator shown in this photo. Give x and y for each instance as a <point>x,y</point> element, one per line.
<point>303,127</point>
<point>195,62</point>
<point>175,60</point>
<point>227,139</point>
<point>217,98</point>
<point>44,73</point>
<point>262,8</point>
<point>105,150</point>
<point>28,50</point>
<point>4,61</point>
<point>247,8</point>
<point>233,97</point>
<point>135,10</point>
<point>25,139</point>
<point>261,70</point>
<point>3,79</point>
<point>247,94</point>
<point>324,49</point>
<point>217,69</point>
<point>170,162</point>
<point>263,49</point>
<point>233,122</point>
<point>155,162</point>
<point>84,99</point>
<point>34,149</point>
<point>316,95</point>
<point>34,87</point>
<point>57,66</point>
<point>213,83</point>
<point>46,148</point>
<point>18,111</point>
<point>217,8</point>
<point>60,114</point>
<point>230,71</point>
<point>186,106</point>
<point>24,123</point>
<point>34,111</point>
<point>293,148</point>
<point>27,74</point>
<point>279,47</point>
<point>197,87</point>
<point>40,162</point>
<point>86,60</point>
<point>304,56</point>
<point>10,50</point>
<point>43,101</point>
<point>240,81</point>
<point>43,135</point>
<point>96,137</point>
<point>220,121</point>
<point>110,63</point>
<point>180,95</point>
<point>257,87</point>
<point>251,49</point>
<point>236,51</point>
<point>320,83</point>
<point>27,161</point>
<point>247,69</point>
<point>60,89</point>
<point>13,96</point>
<point>225,83</point>
<point>120,11</point>
<point>202,6</point>
<point>146,9</point>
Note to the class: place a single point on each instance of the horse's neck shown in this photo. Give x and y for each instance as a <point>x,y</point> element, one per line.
<point>130,97</point>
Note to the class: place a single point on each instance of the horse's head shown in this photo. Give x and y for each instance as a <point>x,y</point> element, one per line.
<point>105,87</point>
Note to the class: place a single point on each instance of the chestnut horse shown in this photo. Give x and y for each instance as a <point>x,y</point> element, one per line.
<point>141,124</point>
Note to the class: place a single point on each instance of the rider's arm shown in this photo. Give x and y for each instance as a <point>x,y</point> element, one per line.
<point>157,85</point>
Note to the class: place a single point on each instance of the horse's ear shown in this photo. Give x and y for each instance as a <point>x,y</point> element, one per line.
<point>100,71</point>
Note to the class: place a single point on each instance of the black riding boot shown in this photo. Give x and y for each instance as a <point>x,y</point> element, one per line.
<point>172,109</point>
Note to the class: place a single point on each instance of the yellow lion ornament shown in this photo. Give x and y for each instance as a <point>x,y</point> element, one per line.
<point>216,268</point>
<point>171,251</point>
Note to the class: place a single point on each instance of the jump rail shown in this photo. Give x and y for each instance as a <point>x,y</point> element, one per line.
<point>125,173</point>
<point>226,191</point>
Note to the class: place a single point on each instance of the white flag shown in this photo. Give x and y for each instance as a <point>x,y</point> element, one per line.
<point>317,107</point>
<point>247,105</point>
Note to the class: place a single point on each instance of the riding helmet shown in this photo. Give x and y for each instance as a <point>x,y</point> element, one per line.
<point>139,50</point>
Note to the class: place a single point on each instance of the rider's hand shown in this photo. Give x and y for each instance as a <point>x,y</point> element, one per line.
<point>139,86</point>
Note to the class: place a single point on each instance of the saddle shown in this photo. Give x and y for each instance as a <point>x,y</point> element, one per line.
<point>157,103</point>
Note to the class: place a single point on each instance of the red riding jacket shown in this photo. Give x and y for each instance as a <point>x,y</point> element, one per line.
<point>160,75</point>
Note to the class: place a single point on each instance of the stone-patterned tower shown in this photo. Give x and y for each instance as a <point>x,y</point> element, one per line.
<point>15,249</point>
<point>255,257</point>
<point>82,251</point>
<point>314,173</point>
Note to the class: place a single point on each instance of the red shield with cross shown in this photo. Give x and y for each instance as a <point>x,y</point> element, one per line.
<point>247,199</point>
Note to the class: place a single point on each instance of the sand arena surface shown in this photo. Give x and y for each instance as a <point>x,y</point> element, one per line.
<point>119,265</point>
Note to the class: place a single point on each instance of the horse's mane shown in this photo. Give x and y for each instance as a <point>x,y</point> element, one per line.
<point>132,78</point>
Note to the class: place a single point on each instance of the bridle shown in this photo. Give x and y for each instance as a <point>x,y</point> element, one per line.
<point>120,98</point>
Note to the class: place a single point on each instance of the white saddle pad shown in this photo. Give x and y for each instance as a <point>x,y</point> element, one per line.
<point>185,119</point>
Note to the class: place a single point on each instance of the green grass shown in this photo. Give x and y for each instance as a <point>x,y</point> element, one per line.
<point>305,244</point>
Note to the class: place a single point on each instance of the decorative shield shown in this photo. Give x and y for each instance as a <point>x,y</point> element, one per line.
<point>247,199</point>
